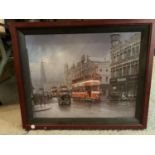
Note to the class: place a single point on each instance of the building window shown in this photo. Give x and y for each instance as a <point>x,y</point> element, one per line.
<point>124,71</point>
<point>120,72</point>
<point>128,70</point>
<point>100,70</point>
<point>112,73</point>
<point>134,68</point>
<point>129,52</point>
<point>117,58</point>
<point>137,50</point>
<point>114,58</point>
<point>116,73</point>
<point>125,54</point>
<point>106,70</point>
<point>133,51</point>
<point>106,79</point>
<point>121,56</point>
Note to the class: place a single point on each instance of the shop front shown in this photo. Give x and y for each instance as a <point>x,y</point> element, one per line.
<point>124,88</point>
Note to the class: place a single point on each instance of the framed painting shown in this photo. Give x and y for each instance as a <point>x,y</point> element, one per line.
<point>90,74</point>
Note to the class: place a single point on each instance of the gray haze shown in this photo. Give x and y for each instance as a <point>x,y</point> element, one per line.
<point>58,49</point>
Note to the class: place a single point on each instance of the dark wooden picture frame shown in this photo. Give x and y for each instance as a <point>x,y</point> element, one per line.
<point>20,30</point>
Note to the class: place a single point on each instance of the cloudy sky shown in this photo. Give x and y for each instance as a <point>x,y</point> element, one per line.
<point>57,49</point>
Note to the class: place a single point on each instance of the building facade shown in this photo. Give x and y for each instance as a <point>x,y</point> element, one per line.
<point>103,69</point>
<point>89,68</point>
<point>124,66</point>
<point>84,69</point>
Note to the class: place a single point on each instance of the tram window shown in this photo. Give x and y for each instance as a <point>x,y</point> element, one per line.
<point>95,88</point>
<point>88,88</point>
<point>81,89</point>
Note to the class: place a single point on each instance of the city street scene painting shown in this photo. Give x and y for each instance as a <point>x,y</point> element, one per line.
<point>89,75</point>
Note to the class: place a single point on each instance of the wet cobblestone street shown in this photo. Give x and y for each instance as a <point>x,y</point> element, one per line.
<point>105,108</point>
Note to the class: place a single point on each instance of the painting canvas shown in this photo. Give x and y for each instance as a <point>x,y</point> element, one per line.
<point>84,75</point>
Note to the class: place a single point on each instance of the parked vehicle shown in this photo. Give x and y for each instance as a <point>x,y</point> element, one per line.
<point>54,91</point>
<point>64,97</point>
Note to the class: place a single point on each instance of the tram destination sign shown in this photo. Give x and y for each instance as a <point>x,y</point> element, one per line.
<point>121,79</point>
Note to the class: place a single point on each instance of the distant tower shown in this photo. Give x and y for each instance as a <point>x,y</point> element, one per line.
<point>115,39</point>
<point>66,72</point>
<point>43,80</point>
<point>83,58</point>
<point>66,68</point>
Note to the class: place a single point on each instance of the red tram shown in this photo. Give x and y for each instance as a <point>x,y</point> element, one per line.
<point>86,90</point>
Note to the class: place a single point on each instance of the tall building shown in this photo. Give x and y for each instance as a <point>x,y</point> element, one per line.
<point>124,66</point>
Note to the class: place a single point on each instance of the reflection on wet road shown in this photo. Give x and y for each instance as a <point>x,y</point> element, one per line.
<point>105,108</point>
